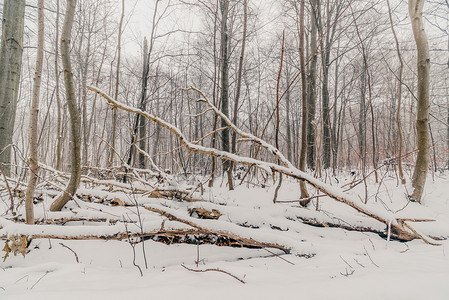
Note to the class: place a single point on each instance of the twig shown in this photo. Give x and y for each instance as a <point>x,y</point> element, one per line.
<point>359,263</point>
<point>76,255</point>
<point>140,225</point>
<point>419,235</point>
<point>347,274</point>
<point>26,276</point>
<point>46,273</point>
<point>133,246</point>
<point>213,270</point>
<point>277,255</point>
<point>346,262</point>
<point>408,248</point>
<point>366,251</point>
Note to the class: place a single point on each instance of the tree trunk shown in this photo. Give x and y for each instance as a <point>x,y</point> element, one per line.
<point>423,107</point>
<point>58,98</point>
<point>10,68</point>
<point>140,125</point>
<point>34,116</point>
<point>362,118</point>
<point>239,82</point>
<point>75,122</point>
<point>303,152</point>
<point>311,87</point>
<point>225,87</point>
<point>399,99</point>
<point>288,120</point>
<point>117,81</point>
<point>143,104</point>
<point>215,96</point>
<point>329,32</point>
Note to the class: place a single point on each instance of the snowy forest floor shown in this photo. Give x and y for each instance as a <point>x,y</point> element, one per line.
<point>323,263</point>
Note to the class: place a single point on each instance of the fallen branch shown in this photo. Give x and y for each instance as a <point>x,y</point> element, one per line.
<point>198,234</point>
<point>397,229</point>
<point>213,270</point>
<point>76,255</point>
<point>249,243</point>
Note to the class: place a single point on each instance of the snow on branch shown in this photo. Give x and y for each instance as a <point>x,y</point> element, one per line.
<point>397,229</point>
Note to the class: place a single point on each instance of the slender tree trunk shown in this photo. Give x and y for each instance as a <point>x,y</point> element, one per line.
<point>334,134</point>
<point>422,122</point>
<point>303,152</point>
<point>75,123</point>
<point>329,32</point>
<point>277,110</point>
<point>326,112</point>
<point>399,98</point>
<point>10,68</point>
<point>362,118</point>
<point>215,96</point>
<point>117,82</point>
<point>311,87</point>
<point>85,70</point>
<point>239,84</point>
<point>288,118</point>
<point>143,104</point>
<point>58,98</point>
<point>225,86</point>
<point>140,125</point>
<point>34,116</point>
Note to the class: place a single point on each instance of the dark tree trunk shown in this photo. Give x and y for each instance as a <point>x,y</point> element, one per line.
<point>225,86</point>
<point>311,87</point>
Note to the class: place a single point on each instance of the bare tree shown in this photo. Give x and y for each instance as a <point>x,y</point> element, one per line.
<point>399,97</point>
<point>224,5</point>
<point>75,124</point>
<point>303,152</point>
<point>34,117</point>
<point>58,98</point>
<point>117,81</point>
<point>311,86</point>
<point>422,122</point>
<point>239,79</point>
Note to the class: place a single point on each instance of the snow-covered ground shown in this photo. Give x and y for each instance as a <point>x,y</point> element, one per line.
<point>326,263</point>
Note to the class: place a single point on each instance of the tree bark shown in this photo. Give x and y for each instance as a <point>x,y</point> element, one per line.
<point>303,152</point>
<point>225,87</point>
<point>311,87</point>
<point>34,117</point>
<point>58,98</point>
<point>423,107</point>
<point>75,122</point>
<point>10,68</point>
<point>143,103</point>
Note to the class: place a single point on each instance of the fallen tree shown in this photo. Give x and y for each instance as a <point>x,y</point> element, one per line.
<point>195,235</point>
<point>394,227</point>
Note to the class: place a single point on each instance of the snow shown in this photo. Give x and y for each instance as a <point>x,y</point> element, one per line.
<point>338,264</point>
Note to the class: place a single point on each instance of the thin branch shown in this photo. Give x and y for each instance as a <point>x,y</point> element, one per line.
<point>76,255</point>
<point>214,270</point>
